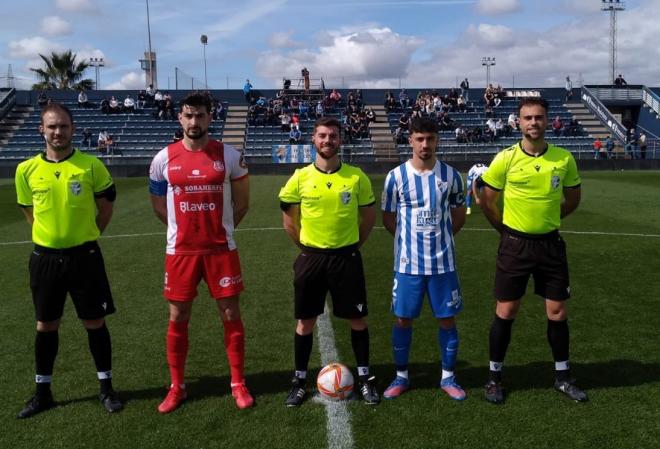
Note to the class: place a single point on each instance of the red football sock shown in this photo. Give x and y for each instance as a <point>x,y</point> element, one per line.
<point>177,350</point>
<point>235,347</point>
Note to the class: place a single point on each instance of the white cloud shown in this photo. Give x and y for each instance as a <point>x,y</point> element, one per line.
<point>31,47</point>
<point>373,55</point>
<point>75,5</point>
<point>55,26</point>
<point>491,35</point>
<point>494,7</point>
<point>282,39</point>
<point>131,80</point>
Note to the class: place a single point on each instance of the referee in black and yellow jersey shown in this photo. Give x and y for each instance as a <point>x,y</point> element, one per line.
<point>67,197</point>
<point>541,185</point>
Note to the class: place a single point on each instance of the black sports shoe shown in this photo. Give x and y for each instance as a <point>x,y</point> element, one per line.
<point>110,401</point>
<point>571,390</point>
<point>493,392</point>
<point>368,391</point>
<point>36,404</point>
<point>296,393</point>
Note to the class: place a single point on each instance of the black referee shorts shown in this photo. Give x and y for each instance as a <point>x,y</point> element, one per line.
<point>338,271</point>
<point>79,271</point>
<point>542,256</point>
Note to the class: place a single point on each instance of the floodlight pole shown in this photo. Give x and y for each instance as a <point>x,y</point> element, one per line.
<point>488,62</point>
<point>612,6</point>
<point>205,40</point>
<point>151,62</point>
<point>97,63</point>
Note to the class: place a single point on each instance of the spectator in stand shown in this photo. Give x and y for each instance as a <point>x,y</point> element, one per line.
<point>461,135</point>
<point>631,143</point>
<point>609,146</point>
<point>42,99</point>
<point>303,107</point>
<point>370,114</point>
<point>295,136</point>
<point>247,91</point>
<point>573,128</point>
<point>151,94</point>
<point>444,122</point>
<point>512,121</point>
<point>102,139</point>
<point>105,106</point>
<point>499,128</point>
<point>335,98</point>
<point>390,102</point>
<point>294,105</point>
<point>141,100</point>
<point>598,147</point>
<point>404,100</point>
<point>461,103</point>
<point>158,99</point>
<point>86,138</point>
<point>178,135</point>
<point>569,89</point>
<point>642,145</point>
<point>295,120</point>
<point>83,102</point>
<point>404,121</point>
<point>620,82</point>
<point>129,104</point>
<point>113,104</point>
<point>465,89</point>
<point>285,122</point>
<point>557,126</point>
<point>488,110</point>
<point>305,74</point>
<point>320,110</point>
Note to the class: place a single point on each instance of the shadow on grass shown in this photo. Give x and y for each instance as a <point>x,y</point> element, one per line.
<point>536,375</point>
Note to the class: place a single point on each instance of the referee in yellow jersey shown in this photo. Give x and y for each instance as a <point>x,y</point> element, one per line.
<point>540,185</point>
<point>328,212</point>
<point>67,198</point>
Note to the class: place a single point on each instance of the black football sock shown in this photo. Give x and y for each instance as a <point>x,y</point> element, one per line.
<point>499,338</point>
<point>558,337</point>
<point>101,349</point>
<point>360,343</point>
<point>302,345</point>
<point>45,351</point>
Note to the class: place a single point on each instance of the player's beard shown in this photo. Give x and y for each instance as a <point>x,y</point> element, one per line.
<point>62,144</point>
<point>196,133</point>
<point>328,151</point>
<point>540,135</point>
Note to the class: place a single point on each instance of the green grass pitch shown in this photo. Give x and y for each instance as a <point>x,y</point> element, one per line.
<point>614,316</point>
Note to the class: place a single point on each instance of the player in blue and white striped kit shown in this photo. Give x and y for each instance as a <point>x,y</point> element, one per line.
<point>475,173</point>
<point>423,206</point>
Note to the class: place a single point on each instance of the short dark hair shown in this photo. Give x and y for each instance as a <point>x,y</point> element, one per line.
<point>423,125</point>
<point>55,107</point>
<point>196,98</point>
<point>533,101</point>
<point>329,122</point>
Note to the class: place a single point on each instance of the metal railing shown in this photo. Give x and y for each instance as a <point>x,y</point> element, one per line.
<point>651,100</point>
<point>8,101</point>
<point>611,93</point>
<point>593,103</point>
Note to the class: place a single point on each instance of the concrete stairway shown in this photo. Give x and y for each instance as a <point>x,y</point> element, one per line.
<point>587,120</point>
<point>381,136</point>
<point>12,121</point>
<point>235,126</point>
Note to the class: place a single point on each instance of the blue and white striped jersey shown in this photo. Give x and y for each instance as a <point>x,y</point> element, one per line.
<point>424,241</point>
<point>475,171</point>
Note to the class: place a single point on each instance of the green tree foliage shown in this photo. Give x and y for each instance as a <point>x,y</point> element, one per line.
<point>62,72</point>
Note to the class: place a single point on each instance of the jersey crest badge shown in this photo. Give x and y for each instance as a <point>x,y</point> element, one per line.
<point>345,197</point>
<point>218,166</point>
<point>554,182</point>
<point>442,185</point>
<point>75,187</point>
<point>177,190</point>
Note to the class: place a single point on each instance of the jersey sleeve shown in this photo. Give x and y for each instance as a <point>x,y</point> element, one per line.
<point>572,178</point>
<point>366,193</point>
<point>23,190</point>
<point>157,180</point>
<point>495,176</point>
<point>390,199</point>
<point>457,193</point>
<point>102,178</point>
<point>290,193</point>
<point>236,162</point>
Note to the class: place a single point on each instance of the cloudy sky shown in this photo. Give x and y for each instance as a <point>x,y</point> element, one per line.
<point>350,43</point>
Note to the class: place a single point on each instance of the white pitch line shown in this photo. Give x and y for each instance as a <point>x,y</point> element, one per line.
<point>147,234</point>
<point>338,423</point>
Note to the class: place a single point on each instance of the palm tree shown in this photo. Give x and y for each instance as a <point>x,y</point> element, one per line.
<point>62,72</point>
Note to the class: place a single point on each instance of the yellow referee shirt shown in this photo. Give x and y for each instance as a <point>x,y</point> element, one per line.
<point>62,195</point>
<point>328,204</point>
<point>532,186</point>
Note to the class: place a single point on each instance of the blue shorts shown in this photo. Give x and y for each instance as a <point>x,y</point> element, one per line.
<point>443,290</point>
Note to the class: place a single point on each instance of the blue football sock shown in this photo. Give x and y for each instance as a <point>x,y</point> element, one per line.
<point>448,341</point>
<point>401,340</point>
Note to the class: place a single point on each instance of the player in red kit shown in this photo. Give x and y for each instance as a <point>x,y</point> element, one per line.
<point>199,189</point>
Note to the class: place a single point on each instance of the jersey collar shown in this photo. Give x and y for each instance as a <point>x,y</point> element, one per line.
<point>43,156</point>
<point>327,172</point>
<point>520,145</point>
